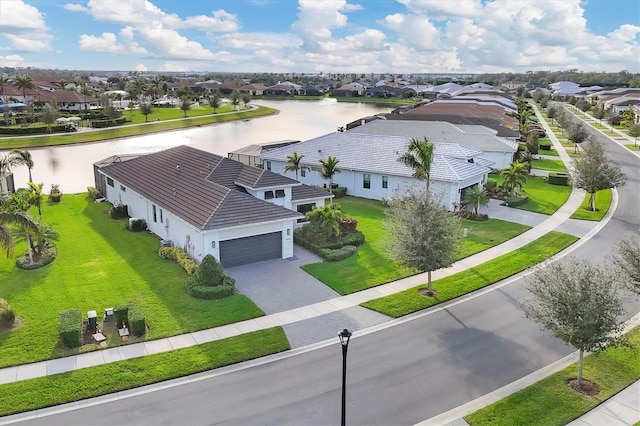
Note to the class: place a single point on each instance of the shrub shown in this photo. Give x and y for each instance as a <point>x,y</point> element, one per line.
<point>70,327</point>
<point>119,211</point>
<point>94,193</point>
<point>137,225</point>
<point>558,178</point>
<point>347,225</point>
<point>355,238</point>
<point>49,256</point>
<point>227,288</point>
<point>544,145</point>
<point>31,130</point>
<point>615,120</point>
<point>209,272</point>
<point>137,324</point>
<point>334,255</point>
<point>7,314</point>
<point>178,255</point>
<point>100,124</point>
<point>121,314</point>
<point>516,201</point>
<point>339,191</point>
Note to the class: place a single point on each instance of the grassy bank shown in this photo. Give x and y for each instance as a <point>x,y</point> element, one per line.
<point>409,301</point>
<point>90,382</point>
<point>551,402</point>
<point>603,202</point>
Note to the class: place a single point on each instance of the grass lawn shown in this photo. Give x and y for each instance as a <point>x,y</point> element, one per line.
<point>372,264</point>
<point>11,142</point>
<point>551,165</point>
<point>104,379</point>
<point>136,117</point>
<point>603,201</point>
<point>100,265</point>
<point>551,152</point>
<point>551,402</point>
<point>408,301</point>
<point>633,147</point>
<point>543,197</point>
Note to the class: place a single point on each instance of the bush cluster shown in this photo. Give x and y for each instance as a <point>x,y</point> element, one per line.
<point>30,130</point>
<point>558,178</point>
<point>70,327</point>
<point>353,239</point>
<point>137,322</point>
<point>544,145</point>
<point>119,211</point>
<point>516,201</point>
<point>7,314</point>
<point>120,313</point>
<point>100,124</point>
<point>347,225</point>
<point>178,255</point>
<point>468,214</point>
<point>339,191</point>
<point>209,281</point>
<point>47,257</point>
<point>137,225</point>
<point>94,193</point>
<point>334,255</point>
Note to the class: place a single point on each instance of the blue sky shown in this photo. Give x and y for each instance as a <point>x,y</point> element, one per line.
<point>365,36</point>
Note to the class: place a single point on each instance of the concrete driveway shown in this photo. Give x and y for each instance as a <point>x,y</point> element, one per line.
<point>280,285</point>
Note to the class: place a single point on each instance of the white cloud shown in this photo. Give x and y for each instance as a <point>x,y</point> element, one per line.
<point>106,43</point>
<point>141,68</point>
<point>258,41</point>
<point>12,61</point>
<point>221,21</point>
<point>25,27</point>
<point>169,44</point>
<point>317,20</point>
<point>414,30</point>
<point>442,9</point>
<point>74,7</point>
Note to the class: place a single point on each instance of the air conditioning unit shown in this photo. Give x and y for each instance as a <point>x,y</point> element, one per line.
<point>166,243</point>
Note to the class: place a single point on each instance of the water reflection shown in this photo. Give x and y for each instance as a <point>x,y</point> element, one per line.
<point>72,166</point>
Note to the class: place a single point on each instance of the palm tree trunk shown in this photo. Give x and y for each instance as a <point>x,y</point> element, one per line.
<point>29,248</point>
<point>30,178</point>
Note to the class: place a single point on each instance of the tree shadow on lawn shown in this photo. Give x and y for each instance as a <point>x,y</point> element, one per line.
<point>158,286</point>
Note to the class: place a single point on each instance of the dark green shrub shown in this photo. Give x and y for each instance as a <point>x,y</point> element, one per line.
<point>7,314</point>
<point>354,238</point>
<point>209,272</point>
<point>544,146</point>
<point>347,225</point>
<point>70,327</point>
<point>119,211</point>
<point>49,256</point>
<point>94,193</point>
<point>339,192</point>
<point>334,255</point>
<point>516,201</point>
<point>226,289</point>
<point>138,225</point>
<point>39,130</point>
<point>100,124</point>
<point>137,324</point>
<point>558,178</point>
<point>168,253</point>
<point>121,314</point>
<point>490,184</point>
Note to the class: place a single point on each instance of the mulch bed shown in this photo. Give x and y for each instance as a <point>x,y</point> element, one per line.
<point>588,387</point>
<point>427,293</point>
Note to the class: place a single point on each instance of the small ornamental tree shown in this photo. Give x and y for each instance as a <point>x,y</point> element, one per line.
<point>577,134</point>
<point>634,132</point>
<point>209,281</point>
<point>594,171</point>
<point>185,105</point>
<point>476,197</point>
<point>145,109</point>
<point>209,271</point>
<point>627,258</point>
<point>532,142</point>
<point>423,234</point>
<point>579,303</point>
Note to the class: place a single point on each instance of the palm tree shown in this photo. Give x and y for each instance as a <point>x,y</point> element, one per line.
<point>514,177</point>
<point>20,219</point>
<point>419,157</point>
<point>62,83</point>
<point>22,157</point>
<point>156,86</point>
<point>293,163</point>
<point>328,170</point>
<point>3,82</point>
<point>78,82</point>
<point>476,197</point>
<point>36,197</point>
<point>13,210</point>
<point>86,91</point>
<point>185,105</point>
<point>325,221</point>
<point>24,82</point>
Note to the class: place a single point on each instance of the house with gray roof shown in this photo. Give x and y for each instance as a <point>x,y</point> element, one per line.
<point>209,204</point>
<point>369,165</point>
<point>498,151</point>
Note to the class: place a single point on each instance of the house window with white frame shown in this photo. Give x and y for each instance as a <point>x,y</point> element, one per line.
<point>385,182</point>
<point>267,165</point>
<point>303,172</point>
<point>366,180</point>
<point>110,182</point>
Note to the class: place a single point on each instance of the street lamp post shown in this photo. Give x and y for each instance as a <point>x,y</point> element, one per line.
<point>344,336</point>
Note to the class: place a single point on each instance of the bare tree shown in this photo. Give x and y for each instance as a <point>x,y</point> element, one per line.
<point>579,303</point>
<point>423,234</point>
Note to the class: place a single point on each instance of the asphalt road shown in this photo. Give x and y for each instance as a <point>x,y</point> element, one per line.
<point>396,376</point>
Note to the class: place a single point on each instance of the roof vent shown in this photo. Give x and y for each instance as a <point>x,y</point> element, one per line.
<point>319,150</point>
<point>175,192</point>
<point>178,167</point>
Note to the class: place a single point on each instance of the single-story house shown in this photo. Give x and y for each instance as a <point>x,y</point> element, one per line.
<point>250,154</point>
<point>498,151</point>
<point>369,165</point>
<point>209,204</point>
<point>348,90</point>
<point>7,185</point>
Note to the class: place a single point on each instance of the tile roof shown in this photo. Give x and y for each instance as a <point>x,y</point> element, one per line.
<point>476,137</point>
<point>306,192</point>
<point>463,111</point>
<point>199,187</point>
<point>376,154</point>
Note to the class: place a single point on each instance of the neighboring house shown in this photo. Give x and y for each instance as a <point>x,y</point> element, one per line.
<point>7,185</point>
<point>250,155</point>
<point>209,204</point>
<point>369,165</point>
<point>67,100</point>
<point>564,88</point>
<point>280,90</point>
<point>386,91</point>
<point>255,89</point>
<point>311,90</point>
<point>348,90</point>
<point>512,85</point>
<point>496,151</point>
<point>620,104</point>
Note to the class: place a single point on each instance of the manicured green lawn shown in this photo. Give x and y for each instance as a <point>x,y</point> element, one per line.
<point>551,402</point>
<point>551,165</point>
<point>43,392</point>
<point>136,117</point>
<point>7,142</point>
<point>100,265</point>
<point>544,197</point>
<point>372,264</point>
<point>408,301</point>
<point>603,201</point>
<point>633,147</point>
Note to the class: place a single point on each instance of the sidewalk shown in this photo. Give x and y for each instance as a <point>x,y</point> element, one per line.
<point>621,409</point>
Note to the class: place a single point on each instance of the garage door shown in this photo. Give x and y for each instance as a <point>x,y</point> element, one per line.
<point>251,249</point>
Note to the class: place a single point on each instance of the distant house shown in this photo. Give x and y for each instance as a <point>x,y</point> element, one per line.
<point>280,90</point>
<point>209,204</point>
<point>67,100</point>
<point>250,155</point>
<point>311,90</point>
<point>387,91</point>
<point>369,166</point>
<point>7,185</point>
<point>348,90</point>
<point>254,89</point>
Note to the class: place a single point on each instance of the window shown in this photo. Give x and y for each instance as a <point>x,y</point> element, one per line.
<point>268,195</point>
<point>122,188</point>
<point>268,165</point>
<point>155,216</point>
<point>303,172</point>
<point>161,220</point>
<point>385,182</point>
<point>366,180</point>
<point>279,193</point>
<point>110,182</point>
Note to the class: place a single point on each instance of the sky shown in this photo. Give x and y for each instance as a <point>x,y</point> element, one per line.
<point>329,36</point>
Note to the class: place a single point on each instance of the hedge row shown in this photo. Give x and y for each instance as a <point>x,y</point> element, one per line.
<point>100,124</point>
<point>546,146</point>
<point>199,291</point>
<point>516,201</point>
<point>178,255</point>
<point>558,178</point>
<point>334,255</point>
<point>57,128</point>
<point>353,239</point>
<point>137,323</point>
<point>70,327</point>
